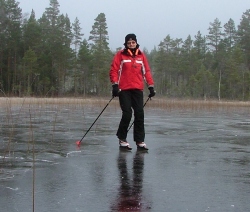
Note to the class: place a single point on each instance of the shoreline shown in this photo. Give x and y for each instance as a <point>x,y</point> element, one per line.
<point>157,102</point>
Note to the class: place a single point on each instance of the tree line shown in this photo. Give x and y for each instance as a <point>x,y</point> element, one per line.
<point>49,57</point>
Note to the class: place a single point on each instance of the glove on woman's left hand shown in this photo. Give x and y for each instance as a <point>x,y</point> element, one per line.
<point>152,92</point>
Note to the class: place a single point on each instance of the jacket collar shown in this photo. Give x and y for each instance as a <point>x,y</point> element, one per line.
<point>131,53</point>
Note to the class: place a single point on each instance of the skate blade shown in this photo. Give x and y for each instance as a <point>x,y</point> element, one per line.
<point>142,148</point>
<point>125,148</point>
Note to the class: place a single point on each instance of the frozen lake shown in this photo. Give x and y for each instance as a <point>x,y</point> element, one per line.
<point>198,160</point>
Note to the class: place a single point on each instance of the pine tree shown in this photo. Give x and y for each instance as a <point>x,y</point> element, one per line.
<point>162,66</point>
<point>76,41</point>
<point>32,33</point>
<point>52,12</point>
<point>64,54</point>
<point>77,35</point>
<point>29,70</point>
<point>102,55</point>
<point>84,66</point>
<point>230,33</point>
<point>12,36</point>
<point>244,35</point>
<point>3,41</point>
<point>200,46</point>
<point>215,35</point>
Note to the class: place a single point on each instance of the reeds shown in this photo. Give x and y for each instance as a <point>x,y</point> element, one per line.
<point>164,103</point>
<point>197,105</point>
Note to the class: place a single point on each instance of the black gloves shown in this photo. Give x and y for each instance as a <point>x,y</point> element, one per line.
<point>115,90</point>
<point>152,92</point>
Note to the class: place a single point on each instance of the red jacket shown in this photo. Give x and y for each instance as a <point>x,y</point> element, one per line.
<point>130,72</point>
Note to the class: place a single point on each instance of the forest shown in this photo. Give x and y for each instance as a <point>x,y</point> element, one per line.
<point>48,57</point>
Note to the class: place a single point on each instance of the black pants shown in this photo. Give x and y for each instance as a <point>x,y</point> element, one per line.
<point>131,99</point>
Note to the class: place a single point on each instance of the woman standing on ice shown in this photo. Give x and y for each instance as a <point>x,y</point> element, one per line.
<point>128,72</point>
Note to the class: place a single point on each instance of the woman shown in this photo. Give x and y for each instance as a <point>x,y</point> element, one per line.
<point>128,72</point>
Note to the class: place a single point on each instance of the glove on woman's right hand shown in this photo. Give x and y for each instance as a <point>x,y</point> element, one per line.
<point>115,90</point>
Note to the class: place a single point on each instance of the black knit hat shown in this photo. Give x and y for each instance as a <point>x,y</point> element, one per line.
<point>130,37</point>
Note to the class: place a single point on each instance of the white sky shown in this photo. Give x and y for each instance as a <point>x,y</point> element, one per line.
<point>150,20</point>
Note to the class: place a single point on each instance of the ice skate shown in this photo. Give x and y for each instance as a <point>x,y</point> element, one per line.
<point>124,145</point>
<point>141,146</point>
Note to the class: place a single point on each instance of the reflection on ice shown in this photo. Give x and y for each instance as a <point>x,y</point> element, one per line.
<point>13,189</point>
<point>130,195</point>
<point>6,175</point>
<point>73,153</point>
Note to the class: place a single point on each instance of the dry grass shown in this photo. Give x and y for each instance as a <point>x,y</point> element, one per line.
<point>48,101</point>
<point>161,103</point>
<point>72,103</point>
<point>198,105</point>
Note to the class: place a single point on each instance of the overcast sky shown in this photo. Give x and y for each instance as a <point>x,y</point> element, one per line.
<point>150,20</point>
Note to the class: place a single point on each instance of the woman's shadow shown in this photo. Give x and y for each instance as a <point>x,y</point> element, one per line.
<point>131,183</point>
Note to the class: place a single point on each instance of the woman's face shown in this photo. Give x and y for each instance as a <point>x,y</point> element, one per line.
<point>131,44</point>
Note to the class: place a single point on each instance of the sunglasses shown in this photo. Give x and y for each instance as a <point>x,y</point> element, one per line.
<point>131,42</point>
